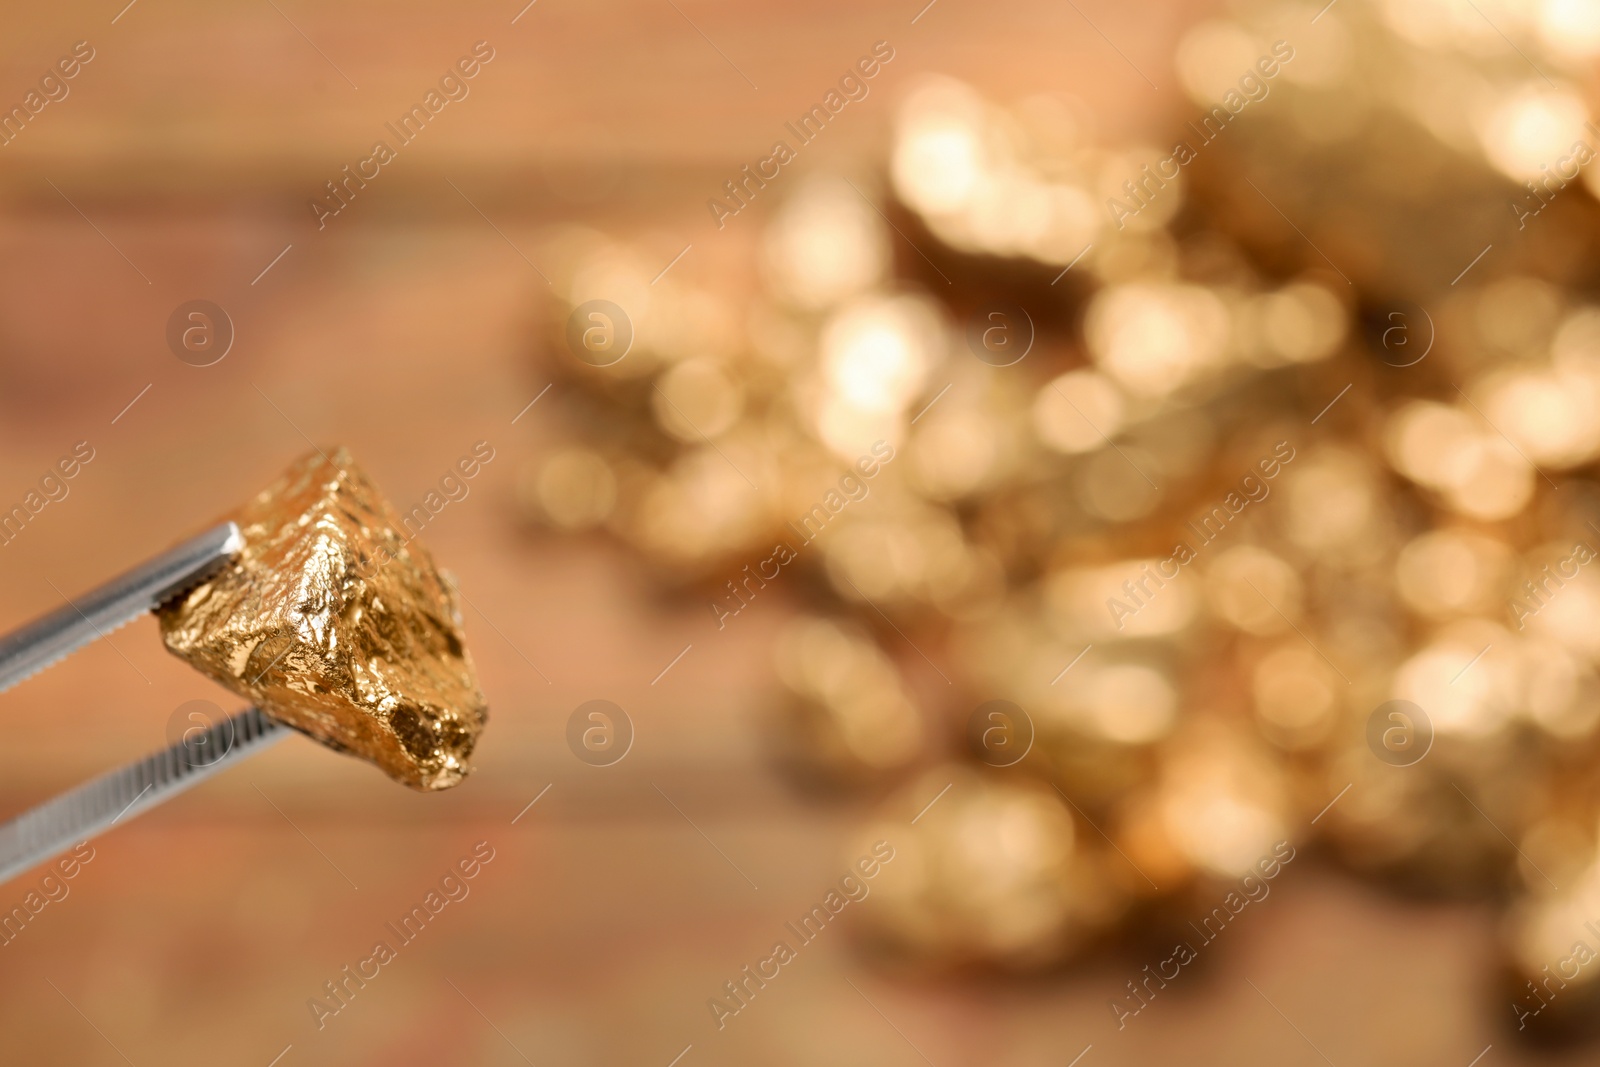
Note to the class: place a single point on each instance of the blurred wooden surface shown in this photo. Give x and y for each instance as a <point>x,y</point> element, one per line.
<point>178,167</point>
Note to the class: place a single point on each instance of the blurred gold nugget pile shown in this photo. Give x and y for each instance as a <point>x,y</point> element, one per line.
<point>1254,447</point>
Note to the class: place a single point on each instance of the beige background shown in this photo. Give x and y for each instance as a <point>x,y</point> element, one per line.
<point>408,330</point>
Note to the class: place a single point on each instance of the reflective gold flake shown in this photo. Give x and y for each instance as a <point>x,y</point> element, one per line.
<point>337,627</point>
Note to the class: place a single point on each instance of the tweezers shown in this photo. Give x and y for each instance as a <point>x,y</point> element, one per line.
<point>87,810</point>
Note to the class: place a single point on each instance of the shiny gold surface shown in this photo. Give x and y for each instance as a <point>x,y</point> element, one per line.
<point>1192,535</point>
<point>337,627</point>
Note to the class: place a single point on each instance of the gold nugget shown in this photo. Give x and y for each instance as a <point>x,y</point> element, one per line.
<point>337,627</point>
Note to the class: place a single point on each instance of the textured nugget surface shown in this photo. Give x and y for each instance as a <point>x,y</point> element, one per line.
<point>335,626</point>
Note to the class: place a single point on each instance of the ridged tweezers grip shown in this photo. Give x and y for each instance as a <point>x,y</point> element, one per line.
<point>77,815</point>
<point>120,601</point>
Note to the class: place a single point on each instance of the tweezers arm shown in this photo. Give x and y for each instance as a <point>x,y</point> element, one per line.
<point>121,600</point>
<point>81,813</point>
